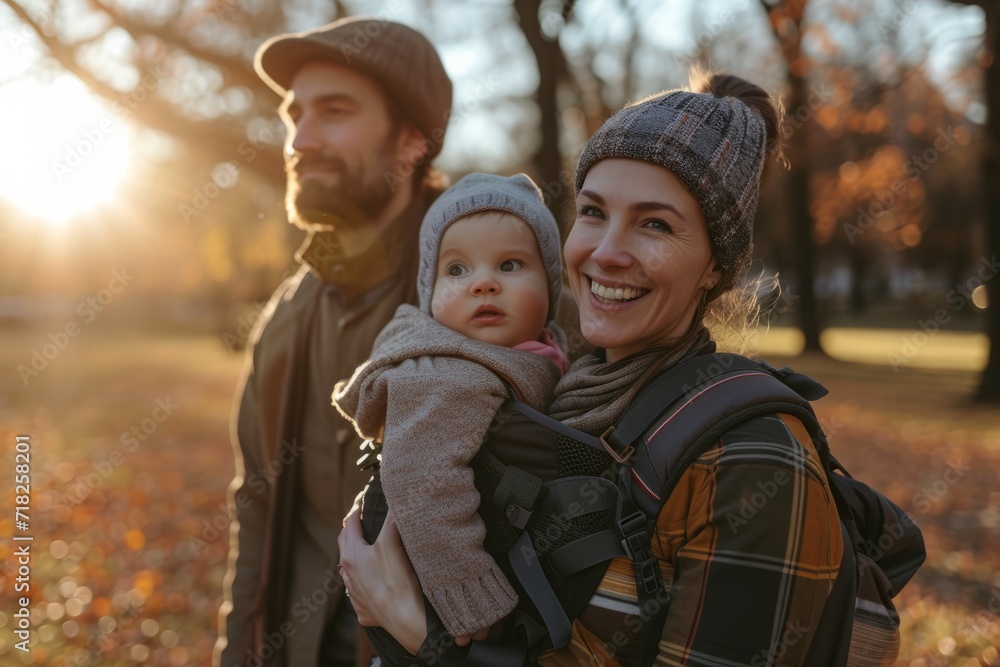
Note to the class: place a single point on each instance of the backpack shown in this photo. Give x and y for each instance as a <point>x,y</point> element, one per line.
<point>555,538</point>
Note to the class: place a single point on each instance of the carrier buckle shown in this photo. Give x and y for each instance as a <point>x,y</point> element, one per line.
<point>518,516</point>
<point>646,572</point>
<point>635,539</point>
<point>620,458</point>
<point>632,530</point>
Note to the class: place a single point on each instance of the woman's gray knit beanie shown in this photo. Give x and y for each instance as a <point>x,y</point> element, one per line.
<point>715,146</point>
<point>517,195</point>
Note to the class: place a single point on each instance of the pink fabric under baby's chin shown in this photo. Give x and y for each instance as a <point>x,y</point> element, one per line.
<point>547,346</point>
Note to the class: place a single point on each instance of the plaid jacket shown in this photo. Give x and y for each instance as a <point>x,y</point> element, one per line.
<point>749,545</point>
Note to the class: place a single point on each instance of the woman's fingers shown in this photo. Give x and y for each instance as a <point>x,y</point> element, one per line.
<point>351,540</point>
<point>352,526</point>
<point>365,617</point>
<point>352,547</point>
<point>477,636</point>
<point>346,538</point>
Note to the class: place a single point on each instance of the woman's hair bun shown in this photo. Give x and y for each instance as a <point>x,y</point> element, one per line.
<point>729,85</point>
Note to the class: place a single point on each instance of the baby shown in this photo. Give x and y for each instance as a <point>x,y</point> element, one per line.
<point>489,283</point>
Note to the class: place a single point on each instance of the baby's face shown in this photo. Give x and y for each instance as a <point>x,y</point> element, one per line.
<point>490,283</point>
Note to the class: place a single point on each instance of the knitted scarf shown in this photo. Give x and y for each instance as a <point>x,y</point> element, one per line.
<point>594,393</point>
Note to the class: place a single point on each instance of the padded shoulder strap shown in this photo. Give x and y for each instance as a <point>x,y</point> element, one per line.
<point>694,403</point>
<point>667,387</point>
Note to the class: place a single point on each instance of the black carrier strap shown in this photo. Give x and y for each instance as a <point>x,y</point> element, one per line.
<point>529,572</point>
<point>519,494</point>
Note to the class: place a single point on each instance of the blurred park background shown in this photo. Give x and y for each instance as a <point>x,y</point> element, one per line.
<point>142,230</point>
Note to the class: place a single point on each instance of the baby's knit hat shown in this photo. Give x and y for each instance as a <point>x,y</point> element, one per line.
<point>517,195</point>
<point>715,146</point>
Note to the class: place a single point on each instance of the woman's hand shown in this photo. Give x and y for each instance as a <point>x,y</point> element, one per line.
<point>381,583</point>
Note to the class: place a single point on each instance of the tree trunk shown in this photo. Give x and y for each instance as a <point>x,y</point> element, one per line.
<point>802,223</point>
<point>556,186</point>
<point>859,276</point>
<point>786,22</point>
<point>989,385</point>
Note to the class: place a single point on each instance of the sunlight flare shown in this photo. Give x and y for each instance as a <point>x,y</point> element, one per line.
<point>65,152</point>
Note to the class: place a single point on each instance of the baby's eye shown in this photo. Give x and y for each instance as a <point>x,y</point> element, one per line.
<point>455,270</point>
<point>511,265</point>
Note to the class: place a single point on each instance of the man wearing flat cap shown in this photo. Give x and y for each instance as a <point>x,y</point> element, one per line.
<point>366,103</point>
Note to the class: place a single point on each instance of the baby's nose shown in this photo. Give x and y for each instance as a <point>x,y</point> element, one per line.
<point>486,286</point>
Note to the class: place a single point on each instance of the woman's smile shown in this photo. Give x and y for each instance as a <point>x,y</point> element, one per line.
<point>608,292</point>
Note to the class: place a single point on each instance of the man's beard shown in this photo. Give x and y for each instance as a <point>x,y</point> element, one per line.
<point>359,194</point>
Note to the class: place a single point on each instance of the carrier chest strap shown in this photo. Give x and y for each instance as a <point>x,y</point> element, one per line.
<point>585,552</point>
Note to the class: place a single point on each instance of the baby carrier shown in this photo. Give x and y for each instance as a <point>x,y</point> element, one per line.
<point>559,504</point>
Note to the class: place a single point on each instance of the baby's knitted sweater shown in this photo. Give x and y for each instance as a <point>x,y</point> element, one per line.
<point>437,393</point>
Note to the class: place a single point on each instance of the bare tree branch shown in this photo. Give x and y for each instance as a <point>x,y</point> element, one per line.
<point>215,139</point>
<point>235,69</point>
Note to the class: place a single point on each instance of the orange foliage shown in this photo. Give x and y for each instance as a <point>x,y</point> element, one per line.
<point>135,540</point>
<point>883,191</point>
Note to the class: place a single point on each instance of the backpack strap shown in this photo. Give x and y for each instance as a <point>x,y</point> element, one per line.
<point>831,643</point>
<point>673,420</point>
<point>696,402</point>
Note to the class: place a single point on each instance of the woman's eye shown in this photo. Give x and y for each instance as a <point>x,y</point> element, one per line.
<point>589,211</point>
<point>510,265</point>
<point>660,225</point>
<point>456,270</point>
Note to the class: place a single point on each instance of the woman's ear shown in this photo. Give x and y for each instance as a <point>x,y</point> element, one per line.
<point>712,275</point>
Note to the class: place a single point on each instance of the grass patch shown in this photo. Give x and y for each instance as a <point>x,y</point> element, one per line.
<point>111,537</point>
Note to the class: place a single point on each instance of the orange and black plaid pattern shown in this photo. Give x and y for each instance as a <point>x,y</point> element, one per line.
<point>749,545</point>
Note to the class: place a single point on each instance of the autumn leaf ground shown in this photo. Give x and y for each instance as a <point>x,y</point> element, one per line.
<point>130,545</point>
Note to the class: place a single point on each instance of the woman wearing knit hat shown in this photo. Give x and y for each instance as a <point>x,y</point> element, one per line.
<point>667,190</point>
<point>489,283</point>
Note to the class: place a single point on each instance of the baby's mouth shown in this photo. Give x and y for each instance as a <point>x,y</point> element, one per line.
<point>487,311</point>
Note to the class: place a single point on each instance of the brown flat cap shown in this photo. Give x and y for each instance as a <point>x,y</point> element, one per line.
<point>402,60</point>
